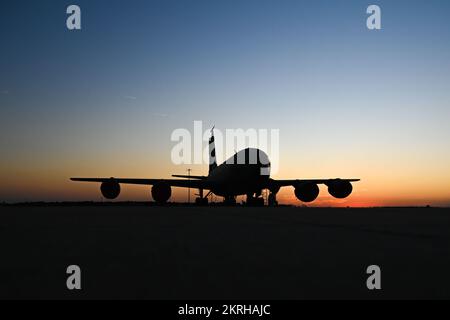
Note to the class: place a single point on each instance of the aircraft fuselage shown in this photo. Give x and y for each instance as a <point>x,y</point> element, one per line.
<point>247,172</point>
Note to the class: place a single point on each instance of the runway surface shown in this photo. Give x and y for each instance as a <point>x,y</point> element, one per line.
<point>147,252</point>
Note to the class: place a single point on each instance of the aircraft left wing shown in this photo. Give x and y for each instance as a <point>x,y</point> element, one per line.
<point>195,184</point>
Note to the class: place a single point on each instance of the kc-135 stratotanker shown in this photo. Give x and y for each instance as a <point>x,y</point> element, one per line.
<point>246,173</point>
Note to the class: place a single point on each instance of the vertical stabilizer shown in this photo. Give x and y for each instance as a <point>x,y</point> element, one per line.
<point>212,152</point>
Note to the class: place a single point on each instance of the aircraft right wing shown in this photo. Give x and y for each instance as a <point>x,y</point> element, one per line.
<point>287,183</point>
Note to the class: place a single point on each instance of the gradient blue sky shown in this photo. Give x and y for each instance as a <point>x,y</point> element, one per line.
<point>104,100</point>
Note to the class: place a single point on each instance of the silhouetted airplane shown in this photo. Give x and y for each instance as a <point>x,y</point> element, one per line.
<point>246,173</point>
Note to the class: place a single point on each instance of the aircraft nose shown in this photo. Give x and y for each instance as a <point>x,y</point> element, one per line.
<point>264,164</point>
<point>264,169</point>
<point>263,159</point>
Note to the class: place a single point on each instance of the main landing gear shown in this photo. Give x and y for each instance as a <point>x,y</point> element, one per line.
<point>229,201</point>
<point>255,201</point>
<point>258,199</point>
<point>201,200</point>
<point>272,199</point>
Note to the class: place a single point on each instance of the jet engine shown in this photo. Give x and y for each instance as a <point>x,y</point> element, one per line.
<point>340,189</point>
<point>161,192</point>
<point>307,192</point>
<point>110,189</point>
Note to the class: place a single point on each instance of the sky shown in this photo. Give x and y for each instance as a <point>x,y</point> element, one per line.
<point>347,101</point>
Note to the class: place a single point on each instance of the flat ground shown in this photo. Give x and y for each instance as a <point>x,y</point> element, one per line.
<point>223,253</point>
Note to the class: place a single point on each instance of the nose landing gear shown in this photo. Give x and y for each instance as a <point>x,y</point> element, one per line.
<point>272,201</point>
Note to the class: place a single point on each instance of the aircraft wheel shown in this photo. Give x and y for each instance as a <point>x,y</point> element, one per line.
<point>255,202</point>
<point>272,200</point>
<point>230,201</point>
<point>201,201</point>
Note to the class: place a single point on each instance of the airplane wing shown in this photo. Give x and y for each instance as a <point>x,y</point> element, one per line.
<point>287,183</point>
<point>195,184</point>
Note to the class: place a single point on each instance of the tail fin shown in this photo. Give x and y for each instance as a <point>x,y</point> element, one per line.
<point>212,152</point>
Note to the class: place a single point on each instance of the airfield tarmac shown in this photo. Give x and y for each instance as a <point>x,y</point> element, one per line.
<point>148,252</point>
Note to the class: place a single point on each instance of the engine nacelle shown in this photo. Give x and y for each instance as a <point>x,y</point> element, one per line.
<point>161,192</point>
<point>110,189</point>
<point>340,189</point>
<point>307,192</point>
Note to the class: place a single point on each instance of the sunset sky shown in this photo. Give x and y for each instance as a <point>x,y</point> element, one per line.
<point>103,101</point>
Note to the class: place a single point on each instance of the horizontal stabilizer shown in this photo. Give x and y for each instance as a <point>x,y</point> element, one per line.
<point>189,177</point>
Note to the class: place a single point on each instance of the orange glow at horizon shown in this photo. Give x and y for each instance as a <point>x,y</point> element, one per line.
<point>56,187</point>
<point>384,181</point>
